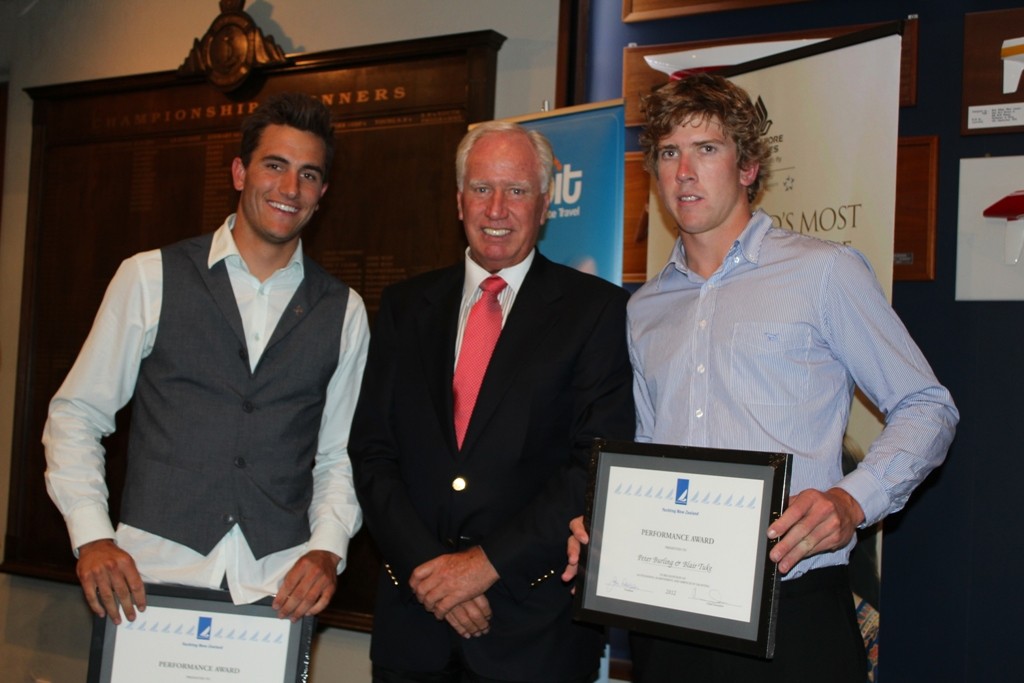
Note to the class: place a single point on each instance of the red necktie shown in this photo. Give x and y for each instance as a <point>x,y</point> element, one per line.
<point>478,340</point>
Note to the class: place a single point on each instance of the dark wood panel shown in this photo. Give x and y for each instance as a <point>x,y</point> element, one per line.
<point>134,163</point>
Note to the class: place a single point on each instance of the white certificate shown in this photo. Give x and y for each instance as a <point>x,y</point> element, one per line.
<point>692,540</point>
<point>679,543</point>
<point>184,636</point>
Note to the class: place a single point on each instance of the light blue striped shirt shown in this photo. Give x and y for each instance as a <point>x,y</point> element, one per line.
<point>765,354</point>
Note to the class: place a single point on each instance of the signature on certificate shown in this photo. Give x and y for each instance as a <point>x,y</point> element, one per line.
<point>625,585</point>
<point>710,596</point>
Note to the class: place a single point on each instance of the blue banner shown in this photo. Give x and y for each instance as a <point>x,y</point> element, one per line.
<point>584,226</point>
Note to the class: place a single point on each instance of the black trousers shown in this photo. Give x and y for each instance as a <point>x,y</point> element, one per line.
<point>817,640</point>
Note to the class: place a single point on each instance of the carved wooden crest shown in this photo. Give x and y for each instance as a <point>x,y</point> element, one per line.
<point>232,48</point>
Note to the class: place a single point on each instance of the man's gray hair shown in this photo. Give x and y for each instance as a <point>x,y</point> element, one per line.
<point>541,145</point>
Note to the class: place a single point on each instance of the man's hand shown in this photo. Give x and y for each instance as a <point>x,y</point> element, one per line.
<point>471,619</point>
<point>308,586</point>
<point>815,522</point>
<point>577,539</point>
<point>449,580</point>
<point>109,578</point>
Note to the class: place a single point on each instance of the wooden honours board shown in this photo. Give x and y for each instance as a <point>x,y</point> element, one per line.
<point>134,163</point>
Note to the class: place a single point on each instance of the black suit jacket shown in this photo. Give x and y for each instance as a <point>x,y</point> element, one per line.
<point>559,377</point>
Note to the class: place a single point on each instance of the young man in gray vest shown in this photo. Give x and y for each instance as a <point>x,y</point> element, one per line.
<point>243,360</point>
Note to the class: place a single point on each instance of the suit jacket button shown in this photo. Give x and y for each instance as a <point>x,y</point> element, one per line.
<point>458,484</point>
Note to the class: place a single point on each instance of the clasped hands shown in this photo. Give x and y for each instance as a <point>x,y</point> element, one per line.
<point>452,587</point>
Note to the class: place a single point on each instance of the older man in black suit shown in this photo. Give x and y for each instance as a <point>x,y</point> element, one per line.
<point>468,464</point>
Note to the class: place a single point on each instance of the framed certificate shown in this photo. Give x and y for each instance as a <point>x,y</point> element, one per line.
<point>679,546</point>
<point>190,634</point>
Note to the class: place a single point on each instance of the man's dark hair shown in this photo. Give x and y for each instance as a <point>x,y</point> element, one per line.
<point>295,110</point>
<point>695,100</point>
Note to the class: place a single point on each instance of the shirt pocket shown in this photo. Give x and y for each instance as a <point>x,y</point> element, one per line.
<point>769,363</point>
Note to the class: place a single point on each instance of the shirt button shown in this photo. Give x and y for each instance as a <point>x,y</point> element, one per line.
<point>458,484</point>
<point>735,259</point>
<point>699,413</point>
<point>702,324</point>
<point>228,518</point>
<point>240,463</point>
<point>700,369</point>
<point>247,406</point>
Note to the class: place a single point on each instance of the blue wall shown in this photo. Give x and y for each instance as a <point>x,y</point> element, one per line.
<point>952,559</point>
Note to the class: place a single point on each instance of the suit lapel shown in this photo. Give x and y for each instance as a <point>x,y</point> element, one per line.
<point>437,324</point>
<point>219,285</point>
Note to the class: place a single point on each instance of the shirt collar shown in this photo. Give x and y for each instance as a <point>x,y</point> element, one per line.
<point>748,244</point>
<point>513,275</point>
<point>752,237</point>
<point>224,248</point>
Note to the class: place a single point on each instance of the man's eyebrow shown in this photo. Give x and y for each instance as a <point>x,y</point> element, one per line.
<point>273,157</point>
<point>305,167</point>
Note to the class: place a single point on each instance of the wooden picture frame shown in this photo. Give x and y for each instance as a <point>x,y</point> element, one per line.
<point>647,10</point>
<point>917,191</point>
<point>985,107</point>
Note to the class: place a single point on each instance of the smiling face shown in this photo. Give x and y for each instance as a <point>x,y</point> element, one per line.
<point>501,203</point>
<point>701,184</point>
<point>280,188</point>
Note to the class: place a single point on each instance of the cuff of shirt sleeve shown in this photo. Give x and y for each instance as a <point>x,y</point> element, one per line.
<point>865,489</point>
<point>332,538</point>
<point>88,523</point>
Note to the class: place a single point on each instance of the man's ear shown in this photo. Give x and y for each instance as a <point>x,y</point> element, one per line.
<point>238,173</point>
<point>749,175</point>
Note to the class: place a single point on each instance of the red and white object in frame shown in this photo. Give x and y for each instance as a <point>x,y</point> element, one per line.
<point>1011,208</point>
<point>990,230</point>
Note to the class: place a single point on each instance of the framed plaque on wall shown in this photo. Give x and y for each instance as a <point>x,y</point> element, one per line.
<point>993,84</point>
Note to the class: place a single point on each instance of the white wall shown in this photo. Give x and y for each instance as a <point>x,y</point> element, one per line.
<point>44,626</point>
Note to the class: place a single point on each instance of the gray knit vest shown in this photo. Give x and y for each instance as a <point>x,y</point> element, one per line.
<point>213,444</point>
